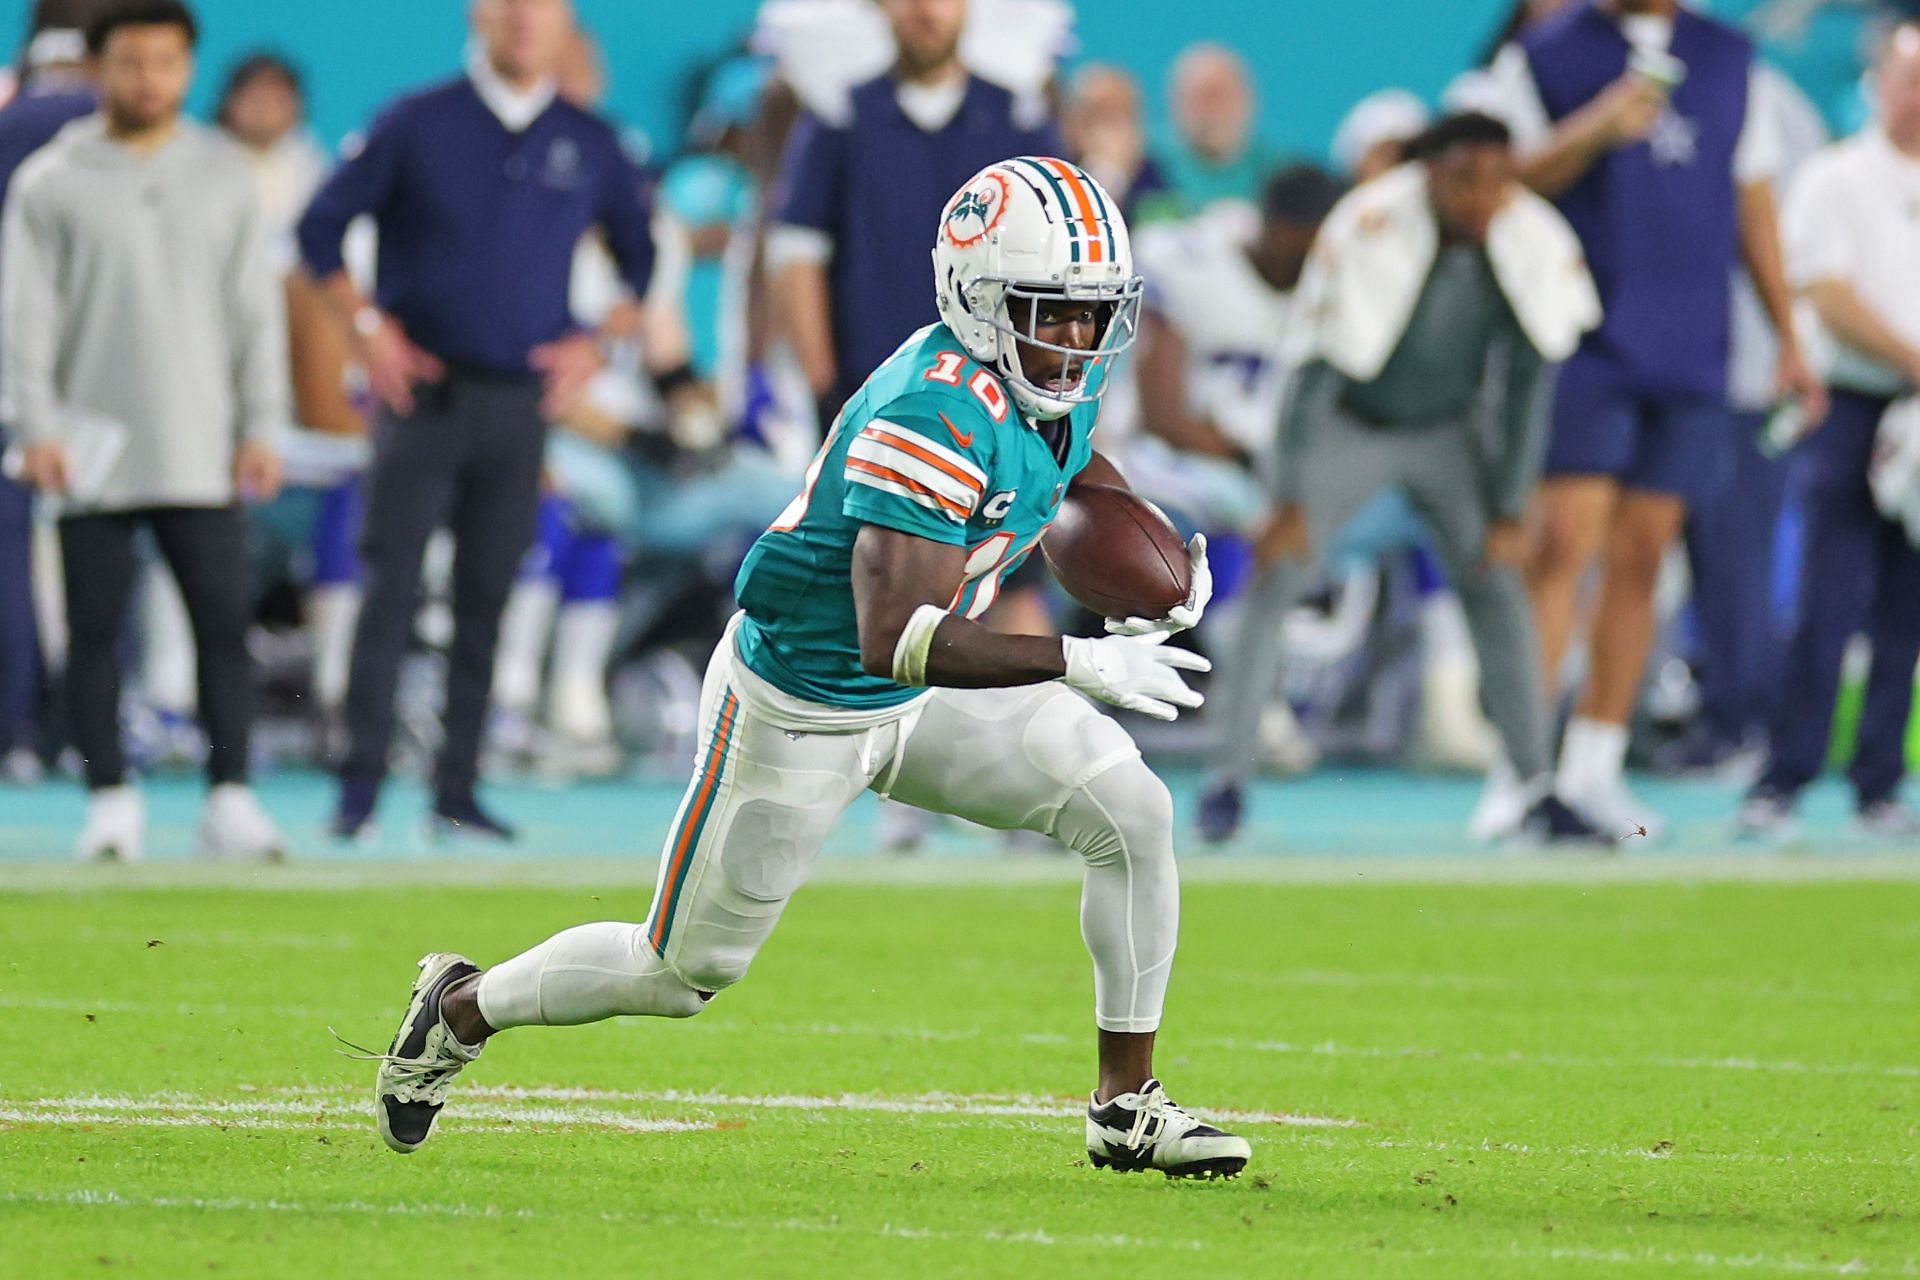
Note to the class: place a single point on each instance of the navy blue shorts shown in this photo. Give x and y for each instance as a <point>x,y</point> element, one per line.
<point>1678,445</point>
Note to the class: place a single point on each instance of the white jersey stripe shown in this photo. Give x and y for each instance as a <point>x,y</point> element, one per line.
<point>881,429</point>
<point>867,449</point>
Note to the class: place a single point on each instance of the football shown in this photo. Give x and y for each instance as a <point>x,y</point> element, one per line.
<point>1116,554</point>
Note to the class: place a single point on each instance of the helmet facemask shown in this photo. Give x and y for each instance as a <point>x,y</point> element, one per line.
<point>992,299</point>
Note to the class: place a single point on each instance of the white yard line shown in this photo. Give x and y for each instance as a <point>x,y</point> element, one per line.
<point>1037,1237</point>
<point>1025,1105</point>
<point>170,1111</point>
<point>414,1208</point>
<point>1676,1062</point>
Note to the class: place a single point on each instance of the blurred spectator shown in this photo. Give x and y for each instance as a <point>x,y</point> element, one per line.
<point>55,90</point>
<point>1854,251</point>
<point>1374,135</point>
<point>148,396</point>
<point>482,188</point>
<point>1423,287</point>
<point>1105,136</point>
<point>859,189</point>
<point>1730,533</point>
<point>1211,363</point>
<point>264,109</point>
<point>1633,116</point>
<point>1216,159</point>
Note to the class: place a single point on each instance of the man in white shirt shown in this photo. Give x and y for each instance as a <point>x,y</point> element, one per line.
<point>1853,250</point>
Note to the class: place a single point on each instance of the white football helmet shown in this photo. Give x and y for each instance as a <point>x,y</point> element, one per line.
<point>1040,229</point>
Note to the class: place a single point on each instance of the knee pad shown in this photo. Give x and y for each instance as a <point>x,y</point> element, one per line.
<point>1126,811</point>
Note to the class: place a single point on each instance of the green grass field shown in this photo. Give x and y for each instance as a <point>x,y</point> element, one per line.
<point>1442,1079</point>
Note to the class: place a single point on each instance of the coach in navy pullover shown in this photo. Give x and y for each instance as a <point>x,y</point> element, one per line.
<point>482,188</point>
<point>56,92</point>
<point>478,222</point>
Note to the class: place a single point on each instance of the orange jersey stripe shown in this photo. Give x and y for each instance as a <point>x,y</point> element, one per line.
<point>885,473</point>
<point>906,444</point>
<point>1083,198</point>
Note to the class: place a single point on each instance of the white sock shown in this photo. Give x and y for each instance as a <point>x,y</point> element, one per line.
<point>525,627</point>
<point>1593,756</point>
<point>586,974</point>
<point>1444,633</point>
<point>582,647</point>
<point>333,611</point>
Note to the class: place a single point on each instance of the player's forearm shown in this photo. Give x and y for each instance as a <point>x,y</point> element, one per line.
<point>966,655</point>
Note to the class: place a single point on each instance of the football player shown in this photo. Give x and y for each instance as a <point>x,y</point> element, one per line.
<point>856,664</point>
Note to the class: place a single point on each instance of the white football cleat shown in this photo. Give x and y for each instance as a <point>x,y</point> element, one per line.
<point>233,824</point>
<point>116,827</point>
<point>415,1074</point>
<point>1148,1130</point>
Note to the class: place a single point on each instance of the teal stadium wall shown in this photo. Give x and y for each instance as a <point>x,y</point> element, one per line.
<point>1312,57</point>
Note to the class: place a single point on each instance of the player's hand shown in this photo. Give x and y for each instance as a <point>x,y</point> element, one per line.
<point>1283,537</point>
<point>257,472</point>
<point>1135,673</point>
<point>567,365</point>
<point>1184,616</point>
<point>1795,378</point>
<point>1506,544</point>
<point>394,364</point>
<point>44,467</point>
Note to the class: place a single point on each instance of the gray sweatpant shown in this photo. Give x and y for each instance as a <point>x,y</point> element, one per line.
<point>1439,467</point>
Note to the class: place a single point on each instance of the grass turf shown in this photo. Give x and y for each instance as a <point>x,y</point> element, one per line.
<point>1616,1080</point>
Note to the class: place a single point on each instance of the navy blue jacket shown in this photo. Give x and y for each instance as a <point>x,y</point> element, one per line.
<point>30,121</point>
<point>877,186</point>
<point>478,225</point>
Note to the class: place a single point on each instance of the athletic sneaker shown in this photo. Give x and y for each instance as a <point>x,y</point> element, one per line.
<point>462,818</point>
<point>1502,807</point>
<point>411,1085</point>
<point>1888,820</point>
<point>116,826</point>
<point>353,814</point>
<point>1223,808</point>
<point>1148,1130</point>
<point>1552,821</point>
<point>233,824</point>
<point>1766,819</point>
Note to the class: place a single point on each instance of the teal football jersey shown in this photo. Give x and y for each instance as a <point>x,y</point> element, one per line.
<point>931,445</point>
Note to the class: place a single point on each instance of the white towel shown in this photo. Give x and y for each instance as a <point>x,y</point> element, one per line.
<point>1376,249</point>
<point>1894,472</point>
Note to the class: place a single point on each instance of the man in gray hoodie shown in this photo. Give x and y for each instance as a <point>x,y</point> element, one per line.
<point>142,348</point>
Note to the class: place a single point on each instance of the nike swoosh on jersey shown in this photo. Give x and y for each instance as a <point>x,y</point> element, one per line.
<point>964,441</point>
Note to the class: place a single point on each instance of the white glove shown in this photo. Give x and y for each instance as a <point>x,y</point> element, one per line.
<point>1136,673</point>
<point>1181,617</point>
